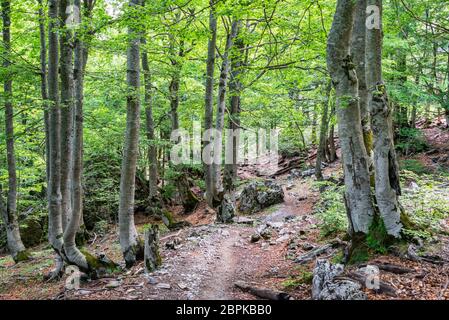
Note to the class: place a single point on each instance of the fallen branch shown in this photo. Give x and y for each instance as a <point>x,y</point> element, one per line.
<point>384,287</point>
<point>391,268</point>
<point>263,293</point>
<point>309,256</point>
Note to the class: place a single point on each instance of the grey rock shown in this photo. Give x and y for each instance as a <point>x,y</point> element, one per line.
<point>342,290</point>
<point>165,286</point>
<point>243,220</point>
<point>113,284</point>
<point>255,237</point>
<point>259,195</point>
<point>324,272</point>
<point>226,210</point>
<point>152,280</point>
<point>307,246</point>
<point>325,286</point>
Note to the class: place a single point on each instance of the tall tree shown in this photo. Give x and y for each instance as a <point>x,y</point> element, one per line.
<point>9,213</point>
<point>209,101</point>
<point>221,107</point>
<point>55,231</point>
<point>385,162</point>
<point>67,101</point>
<point>73,254</point>
<point>129,239</point>
<point>355,160</point>
<point>358,51</point>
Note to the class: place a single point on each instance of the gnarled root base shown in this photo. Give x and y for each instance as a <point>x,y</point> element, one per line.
<point>134,253</point>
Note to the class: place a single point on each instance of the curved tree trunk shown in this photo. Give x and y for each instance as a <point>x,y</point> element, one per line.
<point>73,255</point>
<point>9,213</point>
<point>385,162</point>
<point>129,239</point>
<point>355,161</point>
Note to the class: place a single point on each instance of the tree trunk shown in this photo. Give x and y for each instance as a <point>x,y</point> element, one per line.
<point>358,53</point>
<point>321,152</point>
<point>209,102</point>
<point>67,100</point>
<point>221,107</point>
<point>154,196</point>
<point>73,255</point>
<point>355,160</point>
<point>9,214</point>
<point>152,258</point>
<point>129,239</point>
<point>55,231</point>
<point>235,90</point>
<point>44,90</point>
<point>332,149</point>
<point>385,162</point>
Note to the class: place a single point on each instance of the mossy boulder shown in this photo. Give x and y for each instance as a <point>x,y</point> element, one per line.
<point>259,195</point>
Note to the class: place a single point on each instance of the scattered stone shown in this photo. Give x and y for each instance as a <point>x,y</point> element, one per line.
<point>243,220</point>
<point>307,246</point>
<point>282,239</point>
<point>308,173</point>
<point>259,195</point>
<point>165,286</point>
<point>83,292</point>
<point>113,284</point>
<point>255,237</point>
<point>182,286</point>
<point>284,231</point>
<point>266,234</point>
<point>276,225</point>
<point>289,186</point>
<point>152,280</point>
<point>225,233</point>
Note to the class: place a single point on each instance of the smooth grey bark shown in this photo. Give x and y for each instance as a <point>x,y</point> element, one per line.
<point>67,101</point>
<point>44,81</point>
<point>152,148</point>
<point>72,253</point>
<point>321,152</point>
<point>385,163</point>
<point>355,161</point>
<point>221,107</point>
<point>55,231</point>
<point>235,90</point>
<point>446,107</point>
<point>358,52</point>
<point>129,239</point>
<point>9,213</point>
<point>209,99</point>
<point>174,83</point>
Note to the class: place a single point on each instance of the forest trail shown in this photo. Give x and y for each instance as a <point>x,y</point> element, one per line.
<point>205,260</point>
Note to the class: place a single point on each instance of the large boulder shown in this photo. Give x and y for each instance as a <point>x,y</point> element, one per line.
<point>259,195</point>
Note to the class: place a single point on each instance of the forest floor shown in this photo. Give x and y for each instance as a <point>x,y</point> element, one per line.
<point>205,260</point>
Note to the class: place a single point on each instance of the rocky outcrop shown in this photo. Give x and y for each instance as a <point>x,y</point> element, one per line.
<point>259,195</point>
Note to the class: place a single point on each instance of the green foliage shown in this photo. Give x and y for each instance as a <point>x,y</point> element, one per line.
<point>331,209</point>
<point>413,165</point>
<point>427,205</point>
<point>411,141</point>
<point>304,276</point>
